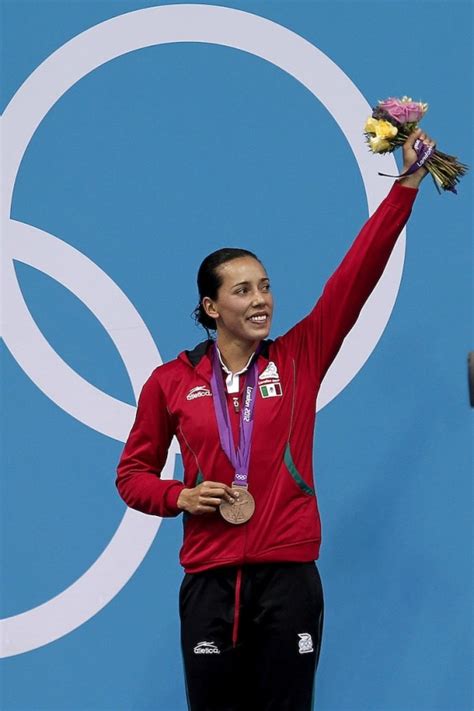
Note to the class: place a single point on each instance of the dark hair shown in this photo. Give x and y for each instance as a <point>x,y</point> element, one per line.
<point>209,280</point>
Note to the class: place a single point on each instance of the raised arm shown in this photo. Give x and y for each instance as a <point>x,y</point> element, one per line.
<point>317,338</point>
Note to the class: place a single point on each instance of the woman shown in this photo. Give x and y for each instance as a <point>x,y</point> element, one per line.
<point>243,410</point>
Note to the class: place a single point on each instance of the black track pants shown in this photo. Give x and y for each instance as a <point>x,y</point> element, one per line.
<point>251,637</point>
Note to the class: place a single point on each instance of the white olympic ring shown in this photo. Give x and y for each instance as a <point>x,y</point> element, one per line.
<point>66,66</point>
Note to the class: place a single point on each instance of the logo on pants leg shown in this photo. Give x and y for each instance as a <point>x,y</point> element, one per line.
<point>206,648</point>
<point>306,643</point>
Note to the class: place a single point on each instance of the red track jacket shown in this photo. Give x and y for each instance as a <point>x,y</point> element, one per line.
<point>177,400</point>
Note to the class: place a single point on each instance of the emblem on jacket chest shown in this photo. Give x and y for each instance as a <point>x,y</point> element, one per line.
<point>269,382</point>
<point>199,391</point>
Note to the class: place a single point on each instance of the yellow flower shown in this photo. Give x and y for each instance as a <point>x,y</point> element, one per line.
<point>378,145</point>
<point>370,125</point>
<point>381,128</point>
<point>385,129</point>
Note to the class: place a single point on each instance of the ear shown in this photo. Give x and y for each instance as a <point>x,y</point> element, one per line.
<point>210,308</point>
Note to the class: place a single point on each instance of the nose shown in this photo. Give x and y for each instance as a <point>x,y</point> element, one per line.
<point>258,298</point>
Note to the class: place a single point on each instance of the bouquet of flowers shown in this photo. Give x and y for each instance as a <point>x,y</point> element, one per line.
<point>392,121</point>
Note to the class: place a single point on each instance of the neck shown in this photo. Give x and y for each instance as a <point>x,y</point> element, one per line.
<point>236,354</point>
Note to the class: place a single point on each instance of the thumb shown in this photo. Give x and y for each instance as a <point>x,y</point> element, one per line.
<point>414,135</point>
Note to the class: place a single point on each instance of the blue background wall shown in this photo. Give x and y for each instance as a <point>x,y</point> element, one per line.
<point>146,165</point>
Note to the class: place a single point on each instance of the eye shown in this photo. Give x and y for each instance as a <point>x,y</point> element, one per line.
<point>241,290</point>
<point>266,286</point>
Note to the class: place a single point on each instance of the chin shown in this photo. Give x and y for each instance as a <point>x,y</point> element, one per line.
<point>258,333</point>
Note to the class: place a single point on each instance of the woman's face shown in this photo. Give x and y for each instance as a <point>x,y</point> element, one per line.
<point>244,305</point>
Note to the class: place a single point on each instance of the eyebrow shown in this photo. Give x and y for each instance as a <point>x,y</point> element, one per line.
<point>244,283</point>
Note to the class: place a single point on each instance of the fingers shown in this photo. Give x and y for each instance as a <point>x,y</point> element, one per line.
<point>204,510</point>
<point>217,489</point>
<point>208,496</point>
<point>217,484</point>
<point>419,134</point>
<point>210,504</point>
<point>209,501</point>
<point>427,140</point>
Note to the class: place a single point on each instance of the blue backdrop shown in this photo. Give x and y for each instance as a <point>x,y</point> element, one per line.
<point>144,165</point>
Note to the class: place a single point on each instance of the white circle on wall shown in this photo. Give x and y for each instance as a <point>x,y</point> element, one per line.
<point>61,70</point>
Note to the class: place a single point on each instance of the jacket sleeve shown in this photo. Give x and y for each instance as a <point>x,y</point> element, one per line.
<point>144,456</point>
<point>317,339</point>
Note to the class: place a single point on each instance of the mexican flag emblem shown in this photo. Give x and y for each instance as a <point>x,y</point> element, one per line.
<point>270,390</point>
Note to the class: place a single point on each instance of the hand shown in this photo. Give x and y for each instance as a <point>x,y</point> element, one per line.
<point>410,156</point>
<point>206,497</point>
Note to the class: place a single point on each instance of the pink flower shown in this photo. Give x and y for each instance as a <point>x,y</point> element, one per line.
<point>403,110</point>
<point>414,111</point>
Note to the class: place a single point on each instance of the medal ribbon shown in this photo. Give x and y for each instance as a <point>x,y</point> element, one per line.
<point>239,459</point>
<point>422,151</point>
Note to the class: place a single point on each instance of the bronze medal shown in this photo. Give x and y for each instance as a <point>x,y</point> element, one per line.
<point>241,510</point>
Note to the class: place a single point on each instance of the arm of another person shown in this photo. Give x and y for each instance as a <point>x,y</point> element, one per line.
<point>319,336</point>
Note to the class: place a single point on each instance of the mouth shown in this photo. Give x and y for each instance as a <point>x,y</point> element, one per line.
<point>259,319</point>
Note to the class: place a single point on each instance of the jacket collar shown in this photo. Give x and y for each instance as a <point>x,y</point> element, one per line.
<point>200,357</point>
<point>198,352</point>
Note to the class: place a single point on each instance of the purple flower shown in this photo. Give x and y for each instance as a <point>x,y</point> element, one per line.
<point>404,110</point>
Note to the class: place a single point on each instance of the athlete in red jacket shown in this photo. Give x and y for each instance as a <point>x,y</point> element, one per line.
<point>251,601</point>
